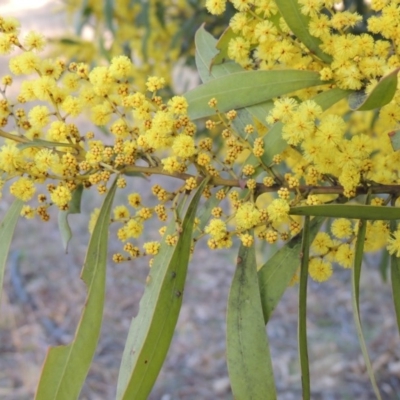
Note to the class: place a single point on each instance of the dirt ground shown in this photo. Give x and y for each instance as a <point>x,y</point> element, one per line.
<point>43,297</point>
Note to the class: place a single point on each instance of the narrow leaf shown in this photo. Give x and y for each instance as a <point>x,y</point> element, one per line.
<point>43,143</point>
<point>275,275</point>
<point>74,208</point>
<point>248,356</point>
<point>65,367</point>
<point>246,88</point>
<point>355,296</point>
<point>7,228</point>
<point>349,211</point>
<point>302,324</point>
<point>205,52</point>
<point>395,139</point>
<point>395,279</point>
<point>222,46</point>
<point>109,14</point>
<point>151,331</point>
<point>298,24</point>
<point>381,95</point>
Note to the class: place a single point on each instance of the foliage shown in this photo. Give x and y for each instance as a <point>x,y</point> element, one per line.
<point>155,34</point>
<point>307,107</point>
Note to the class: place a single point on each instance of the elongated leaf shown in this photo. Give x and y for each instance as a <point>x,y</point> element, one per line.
<point>275,275</point>
<point>74,208</point>
<point>7,228</point>
<point>65,367</point>
<point>298,24</point>
<point>302,330</point>
<point>151,331</point>
<point>82,17</point>
<point>248,356</point>
<point>109,14</point>
<point>43,143</point>
<point>395,139</point>
<point>355,295</point>
<point>205,52</point>
<point>395,279</point>
<point>350,211</point>
<point>246,88</point>
<point>384,264</point>
<point>381,95</point>
<point>222,46</point>
<point>205,56</point>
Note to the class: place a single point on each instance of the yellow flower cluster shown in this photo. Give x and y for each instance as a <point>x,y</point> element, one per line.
<point>330,155</point>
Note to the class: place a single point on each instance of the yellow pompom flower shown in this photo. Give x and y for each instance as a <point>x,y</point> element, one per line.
<point>9,25</point>
<point>344,255</point>
<point>134,200</point>
<point>10,158</point>
<point>44,87</point>
<point>216,228</point>
<point>247,216</point>
<point>155,83</point>
<point>26,63</point>
<point>72,106</point>
<point>133,228</point>
<point>321,243</point>
<point>121,212</point>
<point>39,116</point>
<point>121,67</point>
<point>216,7</point>
<point>246,239</point>
<point>178,105</point>
<point>171,164</point>
<point>27,212</point>
<point>278,210</point>
<point>319,270</point>
<point>151,248</point>
<point>23,189</point>
<point>61,196</point>
<point>46,159</point>
<point>342,228</point>
<point>184,146</point>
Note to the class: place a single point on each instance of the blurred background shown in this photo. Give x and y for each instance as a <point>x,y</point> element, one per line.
<point>43,295</point>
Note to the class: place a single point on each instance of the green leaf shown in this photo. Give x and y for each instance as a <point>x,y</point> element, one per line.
<point>355,295</point>
<point>143,20</point>
<point>395,139</point>
<point>395,279</point>
<point>7,228</point>
<point>82,17</point>
<point>205,213</point>
<point>205,52</point>
<point>109,14</point>
<point>74,208</point>
<point>349,211</point>
<point>222,46</point>
<point>298,24</point>
<point>151,331</point>
<point>381,95</point>
<point>248,356</point>
<point>205,55</point>
<point>275,275</point>
<point>302,324</point>
<point>65,367</point>
<point>242,89</point>
<point>43,143</point>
